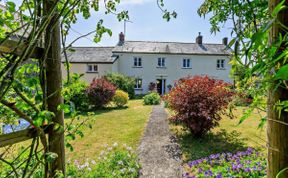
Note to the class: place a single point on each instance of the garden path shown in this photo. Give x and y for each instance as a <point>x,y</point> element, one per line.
<point>159,153</point>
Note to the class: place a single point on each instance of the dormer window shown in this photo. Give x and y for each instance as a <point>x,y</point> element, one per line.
<point>186,63</point>
<point>92,68</point>
<point>220,64</point>
<point>161,62</point>
<point>137,62</point>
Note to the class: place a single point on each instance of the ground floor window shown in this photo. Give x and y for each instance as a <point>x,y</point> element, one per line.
<point>138,83</point>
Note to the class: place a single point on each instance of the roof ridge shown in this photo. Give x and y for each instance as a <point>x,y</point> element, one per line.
<point>93,47</point>
<point>173,42</point>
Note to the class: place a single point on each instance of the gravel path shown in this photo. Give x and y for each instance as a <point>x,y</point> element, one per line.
<point>158,152</point>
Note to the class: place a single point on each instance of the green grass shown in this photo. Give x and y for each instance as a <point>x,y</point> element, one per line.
<point>124,126</point>
<point>228,137</point>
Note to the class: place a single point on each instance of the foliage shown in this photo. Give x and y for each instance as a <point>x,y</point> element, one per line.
<point>152,99</point>
<point>100,92</point>
<point>249,163</point>
<point>198,103</point>
<point>120,98</point>
<point>115,161</point>
<point>122,82</point>
<point>75,92</point>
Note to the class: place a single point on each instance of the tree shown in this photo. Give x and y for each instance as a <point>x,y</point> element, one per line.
<point>260,46</point>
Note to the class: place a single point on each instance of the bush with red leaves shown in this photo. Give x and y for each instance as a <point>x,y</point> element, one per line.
<point>100,92</point>
<point>198,103</point>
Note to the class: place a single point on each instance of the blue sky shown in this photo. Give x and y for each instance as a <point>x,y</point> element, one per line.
<point>149,25</point>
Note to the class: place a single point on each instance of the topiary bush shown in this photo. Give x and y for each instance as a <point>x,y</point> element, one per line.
<point>198,103</point>
<point>122,82</point>
<point>75,92</point>
<point>100,92</point>
<point>152,99</point>
<point>120,98</point>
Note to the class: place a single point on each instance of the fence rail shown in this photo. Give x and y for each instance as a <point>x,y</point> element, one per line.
<point>20,136</point>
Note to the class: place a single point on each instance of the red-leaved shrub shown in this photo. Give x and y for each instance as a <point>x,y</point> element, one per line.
<point>198,103</point>
<point>100,92</point>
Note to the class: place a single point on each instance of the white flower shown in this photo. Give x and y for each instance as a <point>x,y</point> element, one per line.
<point>120,162</point>
<point>129,148</point>
<point>115,144</point>
<point>89,169</point>
<point>131,170</point>
<point>93,162</point>
<point>109,149</point>
<point>102,153</point>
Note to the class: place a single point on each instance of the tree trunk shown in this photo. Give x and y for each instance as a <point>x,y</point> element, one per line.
<point>277,133</point>
<point>54,85</point>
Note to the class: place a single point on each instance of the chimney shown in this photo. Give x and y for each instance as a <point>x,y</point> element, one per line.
<point>225,41</point>
<point>121,38</point>
<point>199,39</point>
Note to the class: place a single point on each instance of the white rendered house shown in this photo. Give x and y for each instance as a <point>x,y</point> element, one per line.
<point>150,61</point>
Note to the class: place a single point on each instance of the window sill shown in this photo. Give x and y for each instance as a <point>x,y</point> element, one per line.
<point>221,69</point>
<point>139,89</point>
<point>137,67</point>
<point>158,67</point>
<point>186,67</point>
<point>92,72</point>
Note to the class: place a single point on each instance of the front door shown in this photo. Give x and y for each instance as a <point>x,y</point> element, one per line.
<point>161,86</point>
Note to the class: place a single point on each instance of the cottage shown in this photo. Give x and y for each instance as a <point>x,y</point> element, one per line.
<point>152,61</point>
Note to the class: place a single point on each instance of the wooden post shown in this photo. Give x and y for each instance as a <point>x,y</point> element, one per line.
<point>54,85</point>
<point>277,133</point>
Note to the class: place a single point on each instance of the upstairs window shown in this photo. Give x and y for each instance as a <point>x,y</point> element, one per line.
<point>221,64</point>
<point>92,68</point>
<point>186,63</point>
<point>138,83</point>
<point>137,62</point>
<point>161,62</point>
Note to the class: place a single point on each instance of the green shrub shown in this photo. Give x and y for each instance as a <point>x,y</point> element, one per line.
<point>152,99</point>
<point>120,98</point>
<point>115,161</point>
<point>122,82</point>
<point>75,92</point>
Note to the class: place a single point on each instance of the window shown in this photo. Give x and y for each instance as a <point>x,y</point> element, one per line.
<point>138,83</point>
<point>137,62</point>
<point>92,68</point>
<point>186,63</point>
<point>161,62</point>
<point>221,64</point>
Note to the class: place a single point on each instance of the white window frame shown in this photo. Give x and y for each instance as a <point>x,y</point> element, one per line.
<point>220,64</point>
<point>137,85</point>
<point>137,61</point>
<point>161,62</point>
<point>185,63</point>
<point>92,70</point>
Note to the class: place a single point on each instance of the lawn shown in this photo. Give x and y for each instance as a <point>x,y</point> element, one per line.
<point>228,137</point>
<point>124,126</point>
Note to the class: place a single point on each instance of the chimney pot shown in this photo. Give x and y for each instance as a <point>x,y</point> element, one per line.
<point>199,39</point>
<point>225,41</point>
<point>121,37</point>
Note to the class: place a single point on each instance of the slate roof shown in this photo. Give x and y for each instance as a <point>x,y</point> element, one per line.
<point>107,54</point>
<point>91,54</point>
<point>155,47</point>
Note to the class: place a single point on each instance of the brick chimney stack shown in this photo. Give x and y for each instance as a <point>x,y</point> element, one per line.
<point>121,38</point>
<point>199,39</point>
<point>225,41</point>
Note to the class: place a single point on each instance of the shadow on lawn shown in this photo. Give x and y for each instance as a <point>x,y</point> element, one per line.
<point>103,110</point>
<point>212,143</point>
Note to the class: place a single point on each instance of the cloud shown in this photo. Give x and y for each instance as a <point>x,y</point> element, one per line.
<point>125,2</point>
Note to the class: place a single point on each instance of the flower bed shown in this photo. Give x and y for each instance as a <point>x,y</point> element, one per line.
<point>249,163</point>
<point>115,161</point>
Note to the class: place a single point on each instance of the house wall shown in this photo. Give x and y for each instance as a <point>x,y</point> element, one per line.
<point>81,68</point>
<point>200,65</point>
